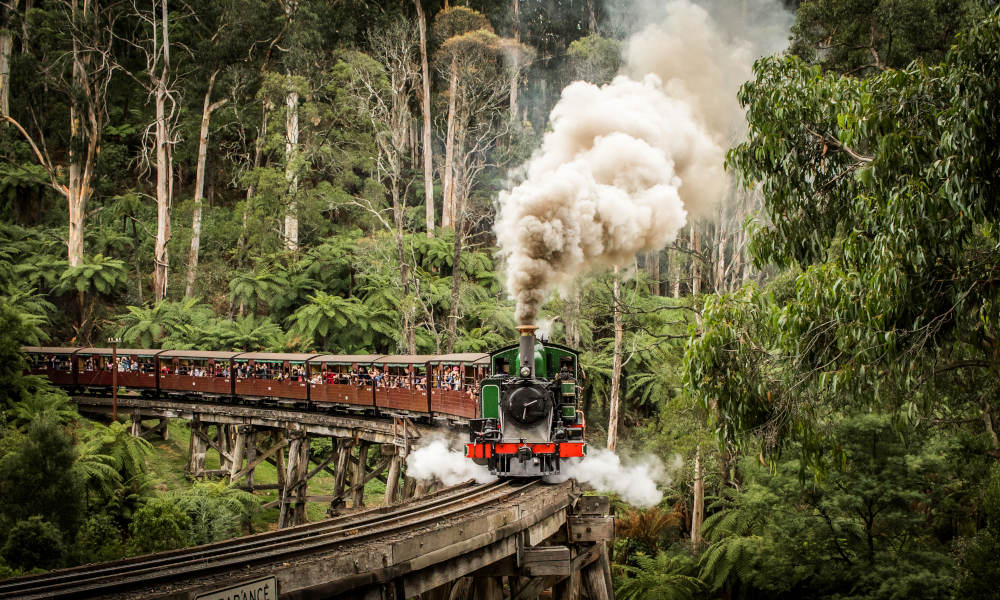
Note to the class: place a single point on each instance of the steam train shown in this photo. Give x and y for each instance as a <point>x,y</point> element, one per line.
<point>520,401</point>
<point>529,423</point>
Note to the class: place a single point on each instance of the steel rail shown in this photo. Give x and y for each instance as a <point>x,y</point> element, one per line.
<point>258,548</point>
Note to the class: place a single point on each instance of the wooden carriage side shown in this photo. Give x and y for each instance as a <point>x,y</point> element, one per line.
<point>197,371</point>
<point>94,368</point>
<point>459,398</point>
<point>336,383</point>
<point>272,375</point>
<point>54,363</point>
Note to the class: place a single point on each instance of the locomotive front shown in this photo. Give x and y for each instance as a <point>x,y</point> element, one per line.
<point>530,423</point>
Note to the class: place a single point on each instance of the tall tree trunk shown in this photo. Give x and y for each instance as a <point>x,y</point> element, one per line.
<point>653,268</point>
<point>291,168</point>
<point>425,106</point>
<point>695,261</point>
<point>591,17</point>
<point>6,46</point>
<point>616,364</point>
<point>515,70</point>
<point>720,258</point>
<point>199,187</point>
<point>258,152</point>
<point>456,282</point>
<point>698,510</point>
<point>163,175</point>
<point>448,201</point>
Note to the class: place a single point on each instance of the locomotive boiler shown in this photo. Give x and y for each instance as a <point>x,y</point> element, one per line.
<point>530,424</point>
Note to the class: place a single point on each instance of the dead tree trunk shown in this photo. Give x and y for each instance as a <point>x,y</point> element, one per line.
<point>515,71</point>
<point>291,168</point>
<point>616,368</point>
<point>698,510</point>
<point>447,202</point>
<point>6,47</point>
<point>199,187</point>
<point>425,104</point>
<point>163,157</point>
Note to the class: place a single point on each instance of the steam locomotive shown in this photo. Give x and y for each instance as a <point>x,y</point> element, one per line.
<point>530,423</point>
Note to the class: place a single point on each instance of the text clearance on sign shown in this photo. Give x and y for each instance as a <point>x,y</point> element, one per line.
<point>261,589</point>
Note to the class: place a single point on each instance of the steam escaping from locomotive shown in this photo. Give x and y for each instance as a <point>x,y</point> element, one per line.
<point>625,164</point>
<point>438,459</point>
<point>636,482</point>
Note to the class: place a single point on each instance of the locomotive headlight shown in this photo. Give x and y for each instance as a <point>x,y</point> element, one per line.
<point>525,371</point>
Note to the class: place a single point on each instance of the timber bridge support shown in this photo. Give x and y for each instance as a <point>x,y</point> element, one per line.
<point>353,450</point>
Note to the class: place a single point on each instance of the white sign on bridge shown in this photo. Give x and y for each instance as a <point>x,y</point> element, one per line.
<point>261,589</point>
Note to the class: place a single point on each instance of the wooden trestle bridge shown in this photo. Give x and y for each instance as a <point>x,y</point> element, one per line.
<point>506,540</point>
<point>247,436</point>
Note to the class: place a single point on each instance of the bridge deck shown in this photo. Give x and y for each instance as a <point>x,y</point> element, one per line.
<point>396,552</point>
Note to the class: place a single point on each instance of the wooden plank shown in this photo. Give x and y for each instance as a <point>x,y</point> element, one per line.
<point>588,528</point>
<point>593,505</point>
<point>546,560</point>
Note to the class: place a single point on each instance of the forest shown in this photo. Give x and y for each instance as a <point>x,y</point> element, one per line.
<point>812,353</point>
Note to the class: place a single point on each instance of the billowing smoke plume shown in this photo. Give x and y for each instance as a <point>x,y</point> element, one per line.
<point>438,459</point>
<point>625,164</point>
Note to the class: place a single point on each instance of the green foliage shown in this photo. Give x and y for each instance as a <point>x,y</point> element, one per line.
<point>660,578</point>
<point>46,403</point>
<point>96,275</point>
<point>34,543</point>
<point>595,58</point>
<point>216,511</point>
<point>38,479</point>
<point>159,525</point>
<point>876,190</point>
<point>863,37</point>
<point>99,540</point>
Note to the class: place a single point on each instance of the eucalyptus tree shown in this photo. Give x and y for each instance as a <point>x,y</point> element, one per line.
<point>385,90</point>
<point>78,62</point>
<point>877,195</point>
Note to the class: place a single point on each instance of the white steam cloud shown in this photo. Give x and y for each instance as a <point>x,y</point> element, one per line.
<point>636,482</point>
<point>625,164</point>
<point>438,459</point>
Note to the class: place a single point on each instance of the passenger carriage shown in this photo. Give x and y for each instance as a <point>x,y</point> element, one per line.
<point>456,380</point>
<point>136,368</point>
<point>54,363</point>
<point>274,376</point>
<point>342,379</point>
<point>196,373</point>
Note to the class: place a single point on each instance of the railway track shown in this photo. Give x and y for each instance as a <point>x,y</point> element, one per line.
<point>276,546</point>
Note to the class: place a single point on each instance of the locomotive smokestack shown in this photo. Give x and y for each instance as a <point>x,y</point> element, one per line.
<point>527,352</point>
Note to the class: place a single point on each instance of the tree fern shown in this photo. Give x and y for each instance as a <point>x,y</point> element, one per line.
<point>659,578</point>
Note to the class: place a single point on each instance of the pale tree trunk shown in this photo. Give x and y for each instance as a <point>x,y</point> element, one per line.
<point>425,105</point>
<point>616,364</point>
<point>447,202</point>
<point>591,17</point>
<point>456,282</point>
<point>163,174</point>
<point>258,151</point>
<point>6,46</point>
<point>199,187</point>
<point>720,259</point>
<point>695,262</point>
<point>291,168</point>
<point>698,510</point>
<point>89,75</point>
<point>515,70</point>
<point>653,268</point>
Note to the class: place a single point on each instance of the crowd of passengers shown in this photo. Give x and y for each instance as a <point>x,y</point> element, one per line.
<point>450,379</point>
